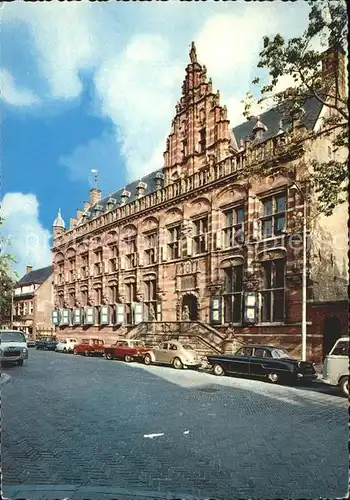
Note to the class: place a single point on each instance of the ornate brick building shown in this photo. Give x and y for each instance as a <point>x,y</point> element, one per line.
<point>198,249</point>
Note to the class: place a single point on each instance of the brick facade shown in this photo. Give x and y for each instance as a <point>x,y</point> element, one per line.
<point>197,240</point>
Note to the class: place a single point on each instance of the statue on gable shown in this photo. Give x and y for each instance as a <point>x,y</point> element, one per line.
<point>193,53</point>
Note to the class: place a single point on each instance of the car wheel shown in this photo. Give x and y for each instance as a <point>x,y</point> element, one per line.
<point>75,352</point>
<point>127,358</point>
<point>273,377</point>
<point>218,370</point>
<point>148,359</point>
<point>108,356</point>
<point>20,362</point>
<point>177,363</point>
<point>64,350</point>
<point>86,353</point>
<point>344,386</point>
<point>37,348</point>
<point>45,348</point>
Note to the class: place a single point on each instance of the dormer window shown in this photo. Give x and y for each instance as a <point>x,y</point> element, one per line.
<point>124,197</point>
<point>159,178</point>
<point>140,188</point>
<point>259,129</point>
<point>110,203</point>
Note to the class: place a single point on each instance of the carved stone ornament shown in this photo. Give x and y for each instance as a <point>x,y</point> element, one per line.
<point>211,160</point>
<point>91,301</point>
<point>186,228</point>
<point>139,296</point>
<point>105,300</point>
<point>121,298</point>
<point>151,313</point>
<point>187,267</point>
<point>193,53</point>
<point>185,313</point>
<point>78,302</point>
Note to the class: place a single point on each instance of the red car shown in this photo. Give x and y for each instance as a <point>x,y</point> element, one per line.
<point>90,347</point>
<point>128,350</point>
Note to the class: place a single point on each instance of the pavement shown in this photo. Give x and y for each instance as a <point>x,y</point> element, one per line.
<point>90,429</point>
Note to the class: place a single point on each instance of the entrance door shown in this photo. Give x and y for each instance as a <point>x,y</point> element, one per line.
<point>190,304</point>
<point>331,333</point>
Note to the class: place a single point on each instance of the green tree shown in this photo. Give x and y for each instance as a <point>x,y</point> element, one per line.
<point>300,59</point>
<point>7,278</point>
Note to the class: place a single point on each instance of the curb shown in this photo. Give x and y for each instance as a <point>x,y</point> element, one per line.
<point>4,378</point>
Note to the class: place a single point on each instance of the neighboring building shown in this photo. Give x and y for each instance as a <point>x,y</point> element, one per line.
<point>33,302</point>
<point>197,241</point>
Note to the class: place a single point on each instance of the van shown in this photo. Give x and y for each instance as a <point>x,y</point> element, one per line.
<point>336,366</point>
<point>13,347</point>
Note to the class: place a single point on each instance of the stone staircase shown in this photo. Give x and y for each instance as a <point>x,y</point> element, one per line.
<point>202,337</point>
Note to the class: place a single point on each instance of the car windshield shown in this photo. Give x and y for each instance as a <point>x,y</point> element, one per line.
<point>138,343</point>
<point>281,353</point>
<point>12,337</point>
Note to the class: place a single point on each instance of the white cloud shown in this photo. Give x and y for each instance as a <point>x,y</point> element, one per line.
<point>29,240</point>
<point>14,95</point>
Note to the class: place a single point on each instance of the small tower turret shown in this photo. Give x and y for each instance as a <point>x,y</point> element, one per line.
<point>58,226</point>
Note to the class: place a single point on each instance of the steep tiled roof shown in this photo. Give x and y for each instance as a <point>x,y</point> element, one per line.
<point>37,276</point>
<point>272,118</point>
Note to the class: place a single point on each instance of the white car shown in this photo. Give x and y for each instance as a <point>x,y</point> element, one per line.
<point>66,345</point>
<point>13,347</point>
<point>336,366</point>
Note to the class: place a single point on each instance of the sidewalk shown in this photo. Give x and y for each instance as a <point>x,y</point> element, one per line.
<point>4,378</point>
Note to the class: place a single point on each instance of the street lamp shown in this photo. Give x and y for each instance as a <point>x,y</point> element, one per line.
<point>295,187</point>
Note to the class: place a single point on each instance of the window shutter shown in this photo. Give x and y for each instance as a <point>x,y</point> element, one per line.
<point>159,311</point>
<point>250,307</point>
<point>216,310</point>
<point>137,310</point>
<point>89,316</point>
<point>104,316</point>
<point>189,244</point>
<point>119,314</point>
<point>76,316</point>
<point>165,253</point>
<point>55,318</point>
<point>218,240</point>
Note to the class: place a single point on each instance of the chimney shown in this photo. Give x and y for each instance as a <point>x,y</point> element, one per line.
<point>29,269</point>
<point>333,68</point>
<point>95,196</point>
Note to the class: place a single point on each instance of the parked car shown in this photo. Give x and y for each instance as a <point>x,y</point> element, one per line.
<point>90,347</point>
<point>66,345</point>
<point>47,343</point>
<point>173,353</point>
<point>31,343</point>
<point>128,350</point>
<point>336,366</point>
<point>13,347</point>
<point>272,363</point>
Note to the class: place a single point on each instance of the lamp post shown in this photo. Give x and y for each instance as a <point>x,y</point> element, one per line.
<point>295,187</point>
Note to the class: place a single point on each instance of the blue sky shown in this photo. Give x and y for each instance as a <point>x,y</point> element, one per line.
<point>87,85</point>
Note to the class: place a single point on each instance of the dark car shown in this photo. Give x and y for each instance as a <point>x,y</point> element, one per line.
<point>272,363</point>
<point>46,343</point>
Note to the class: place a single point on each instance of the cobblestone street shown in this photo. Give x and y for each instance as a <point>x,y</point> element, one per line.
<point>130,431</point>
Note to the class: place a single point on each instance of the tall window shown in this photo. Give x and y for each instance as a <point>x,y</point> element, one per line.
<point>130,255</point>
<point>130,297</point>
<point>233,230</point>
<point>113,290</point>
<point>200,235</point>
<point>233,294</point>
<point>202,140</point>
<point>113,258</point>
<point>31,307</point>
<point>61,273</point>
<point>98,262</point>
<point>98,296</point>
<point>84,265</point>
<point>274,215</point>
<point>184,148</point>
<point>71,266</point>
<point>150,248</point>
<point>150,297</point>
<point>174,242</point>
<point>84,297</point>
<point>272,293</point>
